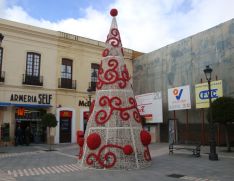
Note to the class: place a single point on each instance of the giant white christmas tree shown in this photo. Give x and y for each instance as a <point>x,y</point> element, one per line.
<point>114,137</point>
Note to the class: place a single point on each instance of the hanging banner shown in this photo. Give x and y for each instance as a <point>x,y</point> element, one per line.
<point>179,98</point>
<point>202,93</point>
<point>150,106</point>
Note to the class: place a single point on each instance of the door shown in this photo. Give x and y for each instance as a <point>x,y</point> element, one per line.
<point>65,130</point>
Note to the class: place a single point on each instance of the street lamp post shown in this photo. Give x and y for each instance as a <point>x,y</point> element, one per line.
<point>212,155</point>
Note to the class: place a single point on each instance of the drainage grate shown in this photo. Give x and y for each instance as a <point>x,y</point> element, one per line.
<point>175,175</point>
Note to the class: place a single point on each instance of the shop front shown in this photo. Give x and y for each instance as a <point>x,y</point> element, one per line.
<point>28,117</point>
<point>23,113</point>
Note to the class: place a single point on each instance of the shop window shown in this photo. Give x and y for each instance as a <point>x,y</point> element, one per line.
<point>32,74</point>
<point>31,118</point>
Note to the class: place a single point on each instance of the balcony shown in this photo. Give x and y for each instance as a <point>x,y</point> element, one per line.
<point>2,76</point>
<point>66,83</point>
<point>32,80</point>
<point>92,86</point>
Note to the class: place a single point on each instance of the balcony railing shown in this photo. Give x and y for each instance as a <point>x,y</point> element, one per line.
<point>66,83</point>
<point>2,76</point>
<point>92,86</point>
<point>32,80</point>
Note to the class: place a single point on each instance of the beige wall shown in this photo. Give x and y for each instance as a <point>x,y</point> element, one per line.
<point>53,46</point>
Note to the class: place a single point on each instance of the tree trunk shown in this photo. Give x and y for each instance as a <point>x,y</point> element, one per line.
<point>227,138</point>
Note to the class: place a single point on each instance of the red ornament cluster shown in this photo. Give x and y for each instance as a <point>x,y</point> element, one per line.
<point>145,137</point>
<point>128,150</point>
<point>81,142</point>
<point>93,141</point>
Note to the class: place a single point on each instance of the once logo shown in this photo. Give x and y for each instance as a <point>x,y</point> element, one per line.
<point>205,94</point>
<point>177,93</point>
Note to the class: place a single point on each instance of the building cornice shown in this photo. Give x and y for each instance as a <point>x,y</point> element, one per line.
<point>62,39</point>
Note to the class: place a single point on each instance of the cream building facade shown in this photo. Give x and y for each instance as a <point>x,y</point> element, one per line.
<point>47,71</point>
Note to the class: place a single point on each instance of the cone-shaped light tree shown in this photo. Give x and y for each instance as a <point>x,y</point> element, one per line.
<point>114,137</point>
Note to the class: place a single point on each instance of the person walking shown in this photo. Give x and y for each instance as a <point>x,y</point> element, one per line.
<point>18,136</point>
<point>27,135</point>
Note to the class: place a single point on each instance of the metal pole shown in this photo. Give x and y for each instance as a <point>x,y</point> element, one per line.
<point>175,128</point>
<point>187,131</point>
<point>212,154</point>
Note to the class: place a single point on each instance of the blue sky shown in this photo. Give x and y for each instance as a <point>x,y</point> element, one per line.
<point>55,10</point>
<point>145,25</point>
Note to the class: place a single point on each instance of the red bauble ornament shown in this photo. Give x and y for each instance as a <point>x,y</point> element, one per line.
<point>127,149</point>
<point>145,137</point>
<point>93,141</point>
<point>81,142</point>
<point>114,12</point>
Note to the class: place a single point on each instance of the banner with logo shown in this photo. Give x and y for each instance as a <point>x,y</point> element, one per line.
<point>202,93</point>
<point>150,106</point>
<point>179,98</point>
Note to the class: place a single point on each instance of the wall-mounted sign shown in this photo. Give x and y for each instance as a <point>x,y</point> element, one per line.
<point>179,98</point>
<point>150,106</point>
<point>26,98</point>
<point>202,93</point>
<point>84,103</point>
<point>66,114</point>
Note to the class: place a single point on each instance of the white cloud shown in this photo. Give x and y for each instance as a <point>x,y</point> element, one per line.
<point>144,25</point>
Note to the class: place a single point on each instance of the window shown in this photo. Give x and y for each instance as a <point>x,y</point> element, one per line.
<point>66,69</point>
<point>32,74</point>
<point>66,75</point>
<point>2,73</point>
<point>94,75</point>
<point>33,64</point>
<point>1,55</point>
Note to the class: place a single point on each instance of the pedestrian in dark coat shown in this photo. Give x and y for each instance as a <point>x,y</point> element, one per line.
<point>27,135</point>
<point>18,136</point>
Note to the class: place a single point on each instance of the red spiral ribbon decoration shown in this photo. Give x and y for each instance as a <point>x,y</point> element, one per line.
<point>114,104</point>
<point>107,160</point>
<point>111,76</point>
<point>105,52</point>
<point>114,38</point>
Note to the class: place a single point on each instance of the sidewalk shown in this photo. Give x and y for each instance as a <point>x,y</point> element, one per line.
<point>177,167</point>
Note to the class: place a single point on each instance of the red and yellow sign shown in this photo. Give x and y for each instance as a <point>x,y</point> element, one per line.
<point>21,111</point>
<point>67,114</point>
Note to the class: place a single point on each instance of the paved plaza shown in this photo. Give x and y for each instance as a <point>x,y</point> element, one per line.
<point>34,162</point>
